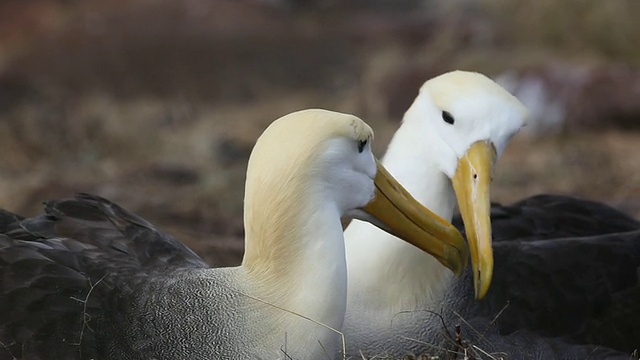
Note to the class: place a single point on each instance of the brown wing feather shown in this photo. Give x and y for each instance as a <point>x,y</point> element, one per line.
<point>543,217</point>
<point>567,268</point>
<point>61,271</point>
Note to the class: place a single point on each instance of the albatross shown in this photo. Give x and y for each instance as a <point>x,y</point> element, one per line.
<point>549,217</point>
<point>550,298</point>
<point>88,279</point>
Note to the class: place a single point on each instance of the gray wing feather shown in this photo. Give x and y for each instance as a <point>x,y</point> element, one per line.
<point>65,271</point>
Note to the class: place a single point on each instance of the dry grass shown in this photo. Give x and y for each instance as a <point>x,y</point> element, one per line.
<point>609,29</point>
<point>163,121</point>
<point>600,166</point>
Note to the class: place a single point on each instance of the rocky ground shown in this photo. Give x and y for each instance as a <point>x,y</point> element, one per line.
<point>156,104</point>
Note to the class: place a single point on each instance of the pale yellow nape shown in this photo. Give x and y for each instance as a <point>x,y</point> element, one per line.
<point>280,170</point>
<point>447,88</point>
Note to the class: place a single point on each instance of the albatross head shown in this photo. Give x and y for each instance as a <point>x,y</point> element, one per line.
<point>326,157</point>
<point>468,120</point>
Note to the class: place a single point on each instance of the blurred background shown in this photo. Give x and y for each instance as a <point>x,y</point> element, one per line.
<point>156,104</point>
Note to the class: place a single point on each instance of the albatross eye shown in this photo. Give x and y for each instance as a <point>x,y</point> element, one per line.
<point>361,145</point>
<point>447,117</point>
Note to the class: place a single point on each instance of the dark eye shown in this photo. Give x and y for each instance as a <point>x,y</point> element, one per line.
<point>447,117</point>
<point>361,145</point>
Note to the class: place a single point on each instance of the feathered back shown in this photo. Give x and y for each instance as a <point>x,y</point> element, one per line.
<point>58,271</point>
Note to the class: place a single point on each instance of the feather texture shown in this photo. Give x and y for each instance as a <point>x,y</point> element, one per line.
<point>59,268</point>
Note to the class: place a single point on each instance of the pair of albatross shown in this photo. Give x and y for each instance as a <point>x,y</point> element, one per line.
<point>90,280</point>
<point>565,283</point>
<point>158,299</point>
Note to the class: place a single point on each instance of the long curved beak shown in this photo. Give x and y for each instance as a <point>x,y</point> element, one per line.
<point>471,183</point>
<point>395,211</point>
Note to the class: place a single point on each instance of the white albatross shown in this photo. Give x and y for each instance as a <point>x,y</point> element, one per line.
<point>400,300</point>
<point>88,279</point>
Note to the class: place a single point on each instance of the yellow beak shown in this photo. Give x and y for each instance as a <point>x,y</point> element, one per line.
<point>471,183</point>
<point>394,210</point>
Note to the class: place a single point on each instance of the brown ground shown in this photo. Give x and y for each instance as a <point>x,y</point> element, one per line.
<point>155,105</point>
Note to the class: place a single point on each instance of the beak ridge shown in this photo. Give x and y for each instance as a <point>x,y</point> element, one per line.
<point>471,183</point>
